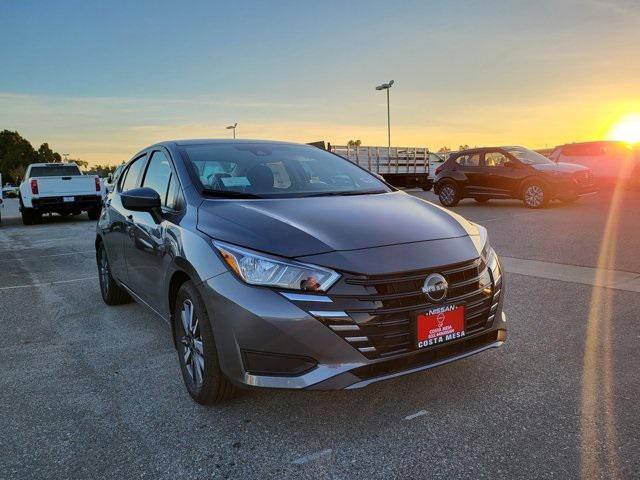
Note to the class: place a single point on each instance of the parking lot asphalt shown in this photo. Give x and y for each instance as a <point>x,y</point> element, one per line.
<point>89,391</point>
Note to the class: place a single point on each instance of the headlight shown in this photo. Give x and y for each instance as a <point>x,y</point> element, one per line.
<point>491,259</point>
<point>260,269</point>
<point>486,251</point>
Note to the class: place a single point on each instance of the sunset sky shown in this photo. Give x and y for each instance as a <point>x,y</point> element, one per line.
<point>101,80</point>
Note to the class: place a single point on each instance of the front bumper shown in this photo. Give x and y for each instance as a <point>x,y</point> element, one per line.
<point>255,319</point>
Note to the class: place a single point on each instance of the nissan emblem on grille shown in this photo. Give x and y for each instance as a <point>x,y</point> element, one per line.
<point>435,287</point>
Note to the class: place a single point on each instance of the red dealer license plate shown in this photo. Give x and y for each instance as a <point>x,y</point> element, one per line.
<point>439,325</point>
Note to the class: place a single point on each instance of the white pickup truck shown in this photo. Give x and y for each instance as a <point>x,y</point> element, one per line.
<point>58,188</point>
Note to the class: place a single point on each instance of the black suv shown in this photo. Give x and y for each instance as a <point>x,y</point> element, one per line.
<point>510,172</point>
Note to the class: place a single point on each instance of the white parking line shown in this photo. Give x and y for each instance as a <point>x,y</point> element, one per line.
<point>312,456</point>
<point>22,259</point>
<point>415,415</point>
<point>47,284</point>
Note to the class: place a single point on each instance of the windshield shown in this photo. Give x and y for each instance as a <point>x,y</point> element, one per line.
<point>271,170</point>
<point>527,156</point>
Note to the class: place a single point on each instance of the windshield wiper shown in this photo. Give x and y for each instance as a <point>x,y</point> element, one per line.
<point>345,193</point>
<point>228,194</point>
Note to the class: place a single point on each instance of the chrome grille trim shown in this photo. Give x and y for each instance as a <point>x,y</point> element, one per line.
<point>303,297</point>
<point>344,328</point>
<point>328,314</point>
<point>356,339</point>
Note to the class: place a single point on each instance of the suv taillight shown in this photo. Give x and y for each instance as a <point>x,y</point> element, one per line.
<point>34,186</point>
<point>97,184</point>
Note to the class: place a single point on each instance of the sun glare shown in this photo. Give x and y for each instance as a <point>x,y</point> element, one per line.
<point>627,129</point>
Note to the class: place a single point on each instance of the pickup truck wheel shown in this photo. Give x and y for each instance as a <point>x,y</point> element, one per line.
<point>449,194</point>
<point>112,293</point>
<point>27,216</point>
<point>94,213</point>
<point>197,352</point>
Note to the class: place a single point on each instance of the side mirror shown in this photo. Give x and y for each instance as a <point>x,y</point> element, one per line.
<point>110,178</point>
<point>142,200</point>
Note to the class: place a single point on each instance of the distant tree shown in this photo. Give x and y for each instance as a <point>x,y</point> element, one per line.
<point>46,155</point>
<point>354,143</point>
<point>17,153</point>
<point>84,165</point>
<point>463,147</point>
<point>104,170</point>
<point>444,149</point>
<point>16,174</point>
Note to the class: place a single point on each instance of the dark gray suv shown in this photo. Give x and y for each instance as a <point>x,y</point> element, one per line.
<point>281,265</point>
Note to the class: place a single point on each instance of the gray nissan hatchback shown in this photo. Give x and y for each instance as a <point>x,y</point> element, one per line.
<point>281,265</point>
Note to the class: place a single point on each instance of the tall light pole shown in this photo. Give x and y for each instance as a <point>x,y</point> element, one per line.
<point>387,87</point>
<point>233,127</point>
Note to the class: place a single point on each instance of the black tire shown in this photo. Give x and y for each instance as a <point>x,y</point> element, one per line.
<point>481,200</point>
<point>449,193</point>
<point>112,293</point>
<point>94,213</point>
<point>535,194</point>
<point>197,352</point>
<point>27,216</point>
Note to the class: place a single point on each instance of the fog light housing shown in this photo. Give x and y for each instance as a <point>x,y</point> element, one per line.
<point>276,365</point>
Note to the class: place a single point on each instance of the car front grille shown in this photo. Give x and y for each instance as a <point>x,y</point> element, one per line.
<point>376,314</point>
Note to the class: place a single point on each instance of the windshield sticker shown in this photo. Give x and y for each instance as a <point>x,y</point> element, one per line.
<point>235,181</point>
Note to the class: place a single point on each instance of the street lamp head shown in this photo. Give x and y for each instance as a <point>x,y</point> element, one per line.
<point>385,86</point>
<point>230,127</point>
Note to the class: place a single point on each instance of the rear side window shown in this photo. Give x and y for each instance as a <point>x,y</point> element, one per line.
<point>469,160</point>
<point>55,171</point>
<point>132,174</point>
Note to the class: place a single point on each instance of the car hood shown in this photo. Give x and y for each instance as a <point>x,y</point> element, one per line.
<point>293,227</point>
<point>560,167</point>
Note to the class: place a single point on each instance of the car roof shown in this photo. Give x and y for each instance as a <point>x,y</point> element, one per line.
<point>209,141</point>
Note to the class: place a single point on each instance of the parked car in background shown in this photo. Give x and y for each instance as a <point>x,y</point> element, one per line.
<point>510,172</point>
<point>111,179</point>
<point>281,265</point>
<point>610,161</point>
<point>58,188</point>
<point>10,191</point>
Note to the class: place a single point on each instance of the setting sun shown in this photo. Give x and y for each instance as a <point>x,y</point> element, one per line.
<point>627,129</point>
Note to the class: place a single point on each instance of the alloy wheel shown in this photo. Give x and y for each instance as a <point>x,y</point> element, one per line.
<point>447,194</point>
<point>534,195</point>
<point>103,272</point>
<point>191,340</point>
